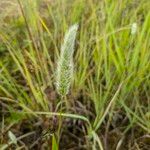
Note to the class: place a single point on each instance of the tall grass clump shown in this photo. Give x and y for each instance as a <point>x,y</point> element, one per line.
<point>64,71</point>
<point>109,107</point>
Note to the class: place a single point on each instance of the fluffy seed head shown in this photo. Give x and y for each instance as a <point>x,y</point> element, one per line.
<point>64,72</point>
<point>134,28</point>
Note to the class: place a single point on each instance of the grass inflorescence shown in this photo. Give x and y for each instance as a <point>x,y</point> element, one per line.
<point>65,66</point>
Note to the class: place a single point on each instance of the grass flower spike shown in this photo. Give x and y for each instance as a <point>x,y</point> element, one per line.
<point>65,64</point>
<point>134,28</point>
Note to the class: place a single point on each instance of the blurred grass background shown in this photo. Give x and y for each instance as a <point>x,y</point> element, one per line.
<point>111,85</point>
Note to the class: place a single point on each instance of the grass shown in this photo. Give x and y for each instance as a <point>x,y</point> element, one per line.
<point>109,98</point>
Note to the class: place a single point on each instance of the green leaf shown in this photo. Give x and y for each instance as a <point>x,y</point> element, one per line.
<point>54,143</point>
<point>12,137</point>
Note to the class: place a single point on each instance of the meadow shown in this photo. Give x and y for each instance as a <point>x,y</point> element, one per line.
<point>75,74</point>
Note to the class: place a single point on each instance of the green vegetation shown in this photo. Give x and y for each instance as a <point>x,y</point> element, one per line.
<point>107,106</point>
